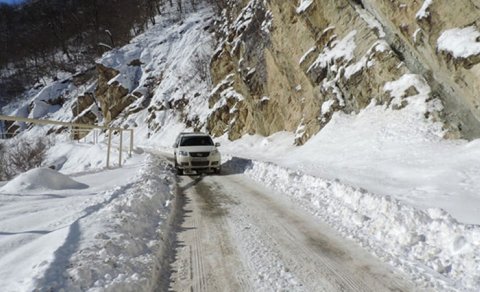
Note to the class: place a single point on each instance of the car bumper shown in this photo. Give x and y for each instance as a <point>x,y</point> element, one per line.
<point>188,163</point>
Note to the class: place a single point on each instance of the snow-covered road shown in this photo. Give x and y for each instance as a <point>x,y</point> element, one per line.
<point>256,227</point>
<point>237,235</point>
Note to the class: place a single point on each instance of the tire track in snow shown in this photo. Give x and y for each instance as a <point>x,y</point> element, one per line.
<point>204,247</point>
<point>199,253</point>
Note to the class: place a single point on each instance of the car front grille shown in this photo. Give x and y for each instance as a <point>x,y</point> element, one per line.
<point>200,163</point>
<point>199,154</point>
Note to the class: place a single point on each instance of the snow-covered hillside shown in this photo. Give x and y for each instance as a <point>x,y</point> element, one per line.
<point>382,177</point>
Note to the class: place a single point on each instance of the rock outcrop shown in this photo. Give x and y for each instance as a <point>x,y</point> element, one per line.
<point>82,103</point>
<point>288,65</point>
<point>104,102</point>
<point>112,97</point>
<point>415,31</point>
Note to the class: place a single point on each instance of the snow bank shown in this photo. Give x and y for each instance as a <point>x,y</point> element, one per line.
<point>412,175</point>
<point>76,157</point>
<point>120,240</point>
<point>428,244</point>
<point>41,179</point>
<point>107,230</point>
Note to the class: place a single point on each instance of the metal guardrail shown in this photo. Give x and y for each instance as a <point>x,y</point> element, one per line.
<point>81,126</point>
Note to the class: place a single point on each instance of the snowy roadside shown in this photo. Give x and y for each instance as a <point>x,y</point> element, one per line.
<point>123,241</point>
<point>101,230</point>
<point>436,250</point>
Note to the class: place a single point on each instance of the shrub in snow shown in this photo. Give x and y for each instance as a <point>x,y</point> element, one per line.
<point>19,155</point>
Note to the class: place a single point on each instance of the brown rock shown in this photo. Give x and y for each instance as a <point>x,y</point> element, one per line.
<point>83,102</point>
<point>112,98</point>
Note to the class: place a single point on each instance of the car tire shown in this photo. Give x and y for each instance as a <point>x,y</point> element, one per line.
<point>217,170</point>
<point>179,171</point>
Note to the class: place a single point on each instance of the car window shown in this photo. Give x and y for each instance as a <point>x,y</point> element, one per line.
<point>196,141</point>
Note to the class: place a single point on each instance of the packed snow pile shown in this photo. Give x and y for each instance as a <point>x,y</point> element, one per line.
<point>41,179</point>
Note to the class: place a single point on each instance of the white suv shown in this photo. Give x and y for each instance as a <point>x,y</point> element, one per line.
<point>196,151</point>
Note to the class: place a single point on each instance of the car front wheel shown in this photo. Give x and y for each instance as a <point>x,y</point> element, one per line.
<point>179,171</point>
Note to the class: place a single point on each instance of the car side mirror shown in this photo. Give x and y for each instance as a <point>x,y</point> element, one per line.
<point>175,145</point>
<point>217,144</point>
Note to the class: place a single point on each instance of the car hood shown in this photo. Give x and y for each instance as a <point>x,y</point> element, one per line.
<point>197,148</point>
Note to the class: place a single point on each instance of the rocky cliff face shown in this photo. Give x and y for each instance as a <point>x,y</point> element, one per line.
<point>288,65</point>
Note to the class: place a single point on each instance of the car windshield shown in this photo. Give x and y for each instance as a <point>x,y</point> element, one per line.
<point>196,141</point>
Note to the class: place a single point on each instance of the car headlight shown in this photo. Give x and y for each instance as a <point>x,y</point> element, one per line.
<point>182,153</point>
<point>214,152</point>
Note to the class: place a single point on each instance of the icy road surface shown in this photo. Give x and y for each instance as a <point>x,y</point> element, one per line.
<point>235,235</point>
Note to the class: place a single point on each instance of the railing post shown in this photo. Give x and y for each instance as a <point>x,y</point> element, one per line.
<point>120,150</point>
<point>108,147</point>
<point>131,142</point>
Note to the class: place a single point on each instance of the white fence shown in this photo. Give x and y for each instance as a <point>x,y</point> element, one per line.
<point>82,128</point>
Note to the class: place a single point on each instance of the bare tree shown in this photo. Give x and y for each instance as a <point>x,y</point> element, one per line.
<point>32,36</point>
